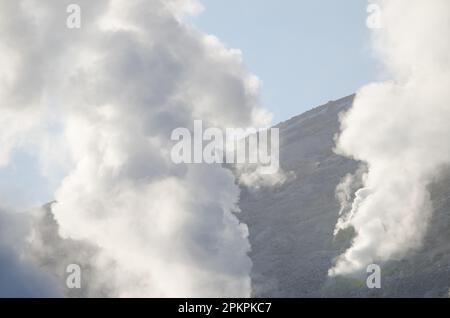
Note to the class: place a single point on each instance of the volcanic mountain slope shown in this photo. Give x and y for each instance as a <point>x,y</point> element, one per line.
<point>291,225</point>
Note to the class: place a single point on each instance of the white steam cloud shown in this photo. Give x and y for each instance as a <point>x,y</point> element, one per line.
<point>401,130</point>
<point>98,105</point>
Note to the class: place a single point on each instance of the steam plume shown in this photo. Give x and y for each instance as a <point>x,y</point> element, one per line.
<point>99,103</point>
<point>400,129</point>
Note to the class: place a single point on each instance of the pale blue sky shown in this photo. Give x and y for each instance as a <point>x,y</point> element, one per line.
<point>306,52</point>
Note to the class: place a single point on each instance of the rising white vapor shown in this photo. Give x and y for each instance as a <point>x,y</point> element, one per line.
<point>107,97</point>
<point>400,129</point>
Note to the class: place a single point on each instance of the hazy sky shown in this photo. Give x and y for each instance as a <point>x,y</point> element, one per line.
<point>305,52</point>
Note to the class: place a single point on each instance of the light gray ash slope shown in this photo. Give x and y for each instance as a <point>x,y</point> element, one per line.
<point>291,226</point>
